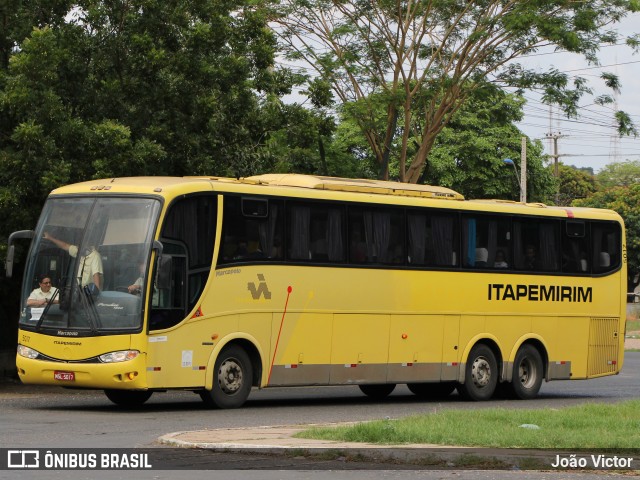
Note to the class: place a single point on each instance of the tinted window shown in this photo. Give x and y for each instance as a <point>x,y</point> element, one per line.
<point>252,230</point>
<point>376,236</point>
<point>316,232</point>
<point>606,238</point>
<point>575,247</point>
<point>432,238</point>
<point>486,241</point>
<point>536,244</point>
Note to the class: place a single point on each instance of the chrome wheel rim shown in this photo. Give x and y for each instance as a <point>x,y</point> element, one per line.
<point>481,372</point>
<point>527,373</point>
<point>230,376</point>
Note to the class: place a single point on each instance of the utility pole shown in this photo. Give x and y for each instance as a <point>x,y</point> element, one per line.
<point>555,155</point>
<point>523,170</point>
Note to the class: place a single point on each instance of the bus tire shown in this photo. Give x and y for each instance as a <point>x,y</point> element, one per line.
<point>377,392</point>
<point>432,390</point>
<point>527,373</point>
<point>232,379</point>
<point>128,398</point>
<point>481,374</point>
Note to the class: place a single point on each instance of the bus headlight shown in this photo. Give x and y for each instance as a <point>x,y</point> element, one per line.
<point>27,352</point>
<point>119,356</point>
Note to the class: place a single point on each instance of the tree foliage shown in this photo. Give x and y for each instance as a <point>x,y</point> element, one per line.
<point>574,184</point>
<point>103,88</point>
<point>468,155</point>
<point>422,60</point>
<point>621,174</point>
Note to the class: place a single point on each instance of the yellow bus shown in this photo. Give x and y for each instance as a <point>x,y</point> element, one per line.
<point>217,285</point>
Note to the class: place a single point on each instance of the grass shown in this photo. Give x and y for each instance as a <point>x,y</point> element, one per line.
<point>591,426</point>
<point>633,325</point>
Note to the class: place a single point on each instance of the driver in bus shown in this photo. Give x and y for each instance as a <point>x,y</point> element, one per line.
<point>136,287</point>
<point>91,261</point>
<point>46,293</point>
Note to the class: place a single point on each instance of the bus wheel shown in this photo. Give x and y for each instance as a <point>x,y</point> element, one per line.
<point>527,373</point>
<point>432,390</point>
<point>232,378</point>
<point>128,398</point>
<point>377,392</point>
<point>481,374</point>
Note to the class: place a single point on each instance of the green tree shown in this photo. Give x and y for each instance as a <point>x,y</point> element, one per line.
<point>19,17</point>
<point>468,155</point>
<point>574,184</point>
<point>621,174</point>
<point>625,201</point>
<point>142,87</point>
<point>421,61</point>
<point>102,88</point>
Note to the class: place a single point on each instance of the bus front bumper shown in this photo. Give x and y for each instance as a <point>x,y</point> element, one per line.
<point>127,375</point>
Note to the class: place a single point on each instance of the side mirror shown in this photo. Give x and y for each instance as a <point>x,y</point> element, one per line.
<point>11,251</point>
<point>158,248</point>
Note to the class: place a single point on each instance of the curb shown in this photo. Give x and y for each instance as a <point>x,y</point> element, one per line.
<point>280,441</point>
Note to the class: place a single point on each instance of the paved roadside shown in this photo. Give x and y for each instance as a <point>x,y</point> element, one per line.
<point>280,440</point>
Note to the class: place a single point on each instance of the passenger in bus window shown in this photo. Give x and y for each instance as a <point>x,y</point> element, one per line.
<point>46,293</point>
<point>482,255</point>
<point>530,261</point>
<point>500,261</point>
<point>90,269</point>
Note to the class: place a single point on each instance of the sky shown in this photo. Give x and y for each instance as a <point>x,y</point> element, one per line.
<point>591,140</point>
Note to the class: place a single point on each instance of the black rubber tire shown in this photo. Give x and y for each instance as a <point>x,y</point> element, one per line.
<point>128,398</point>
<point>232,379</point>
<point>481,374</point>
<point>527,373</point>
<point>378,392</point>
<point>432,390</point>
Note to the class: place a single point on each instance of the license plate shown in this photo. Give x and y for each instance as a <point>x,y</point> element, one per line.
<point>64,376</point>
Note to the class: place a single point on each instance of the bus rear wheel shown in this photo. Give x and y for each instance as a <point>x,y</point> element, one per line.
<point>128,398</point>
<point>232,379</point>
<point>432,390</point>
<point>481,374</point>
<point>527,373</point>
<point>378,392</point>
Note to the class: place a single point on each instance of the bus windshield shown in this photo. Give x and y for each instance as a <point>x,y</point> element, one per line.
<point>88,265</point>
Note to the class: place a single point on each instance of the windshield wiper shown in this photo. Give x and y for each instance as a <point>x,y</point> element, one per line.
<point>87,302</point>
<point>46,309</point>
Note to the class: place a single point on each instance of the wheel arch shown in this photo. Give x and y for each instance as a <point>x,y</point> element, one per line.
<point>249,344</point>
<point>535,341</point>
<point>490,341</point>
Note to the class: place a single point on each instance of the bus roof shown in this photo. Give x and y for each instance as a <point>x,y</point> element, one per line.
<point>358,185</point>
<point>315,183</point>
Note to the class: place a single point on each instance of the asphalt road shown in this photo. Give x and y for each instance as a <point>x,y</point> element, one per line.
<point>75,418</point>
<point>37,417</point>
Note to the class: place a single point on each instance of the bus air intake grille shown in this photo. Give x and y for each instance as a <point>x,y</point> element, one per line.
<point>604,345</point>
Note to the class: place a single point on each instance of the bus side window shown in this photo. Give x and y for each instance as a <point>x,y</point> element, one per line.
<point>485,241</point>
<point>536,244</point>
<point>251,230</point>
<point>376,235</point>
<point>606,239</point>
<point>575,245</point>
<point>316,232</point>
